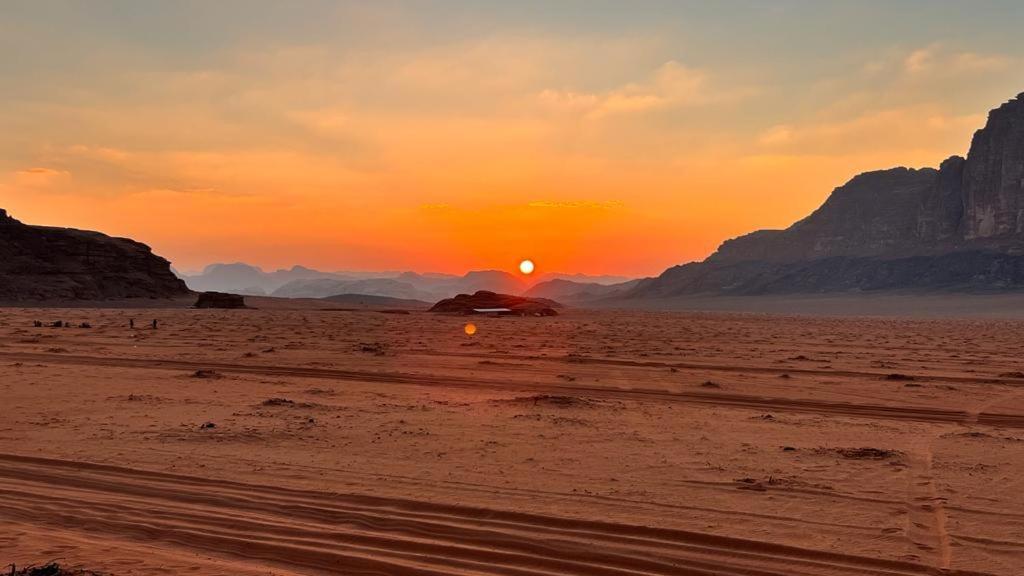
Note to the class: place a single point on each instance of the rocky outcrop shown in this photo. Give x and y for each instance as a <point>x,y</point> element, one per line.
<point>482,300</point>
<point>42,263</point>
<point>960,226</point>
<point>220,300</point>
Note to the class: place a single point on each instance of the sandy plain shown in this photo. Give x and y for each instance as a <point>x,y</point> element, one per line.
<point>598,442</point>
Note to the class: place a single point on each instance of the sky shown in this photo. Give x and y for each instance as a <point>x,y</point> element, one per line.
<point>591,136</point>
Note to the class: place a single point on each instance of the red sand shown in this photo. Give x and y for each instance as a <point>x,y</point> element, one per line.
<point>590,443</point>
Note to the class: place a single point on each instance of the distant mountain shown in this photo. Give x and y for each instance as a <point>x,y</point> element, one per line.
<point>381,302</point>
<point>448,285</point>
<point>489,280</point>
<point>958,227</point>
<point>326,287</point>
<point>302,282</point>
<point>578,292</point>
<point>44,263</point>
<point>409,285</point>
<point>583,278</point>
<point>241,278</point>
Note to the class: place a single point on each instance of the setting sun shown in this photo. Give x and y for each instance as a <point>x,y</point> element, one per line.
<point>726,258</point>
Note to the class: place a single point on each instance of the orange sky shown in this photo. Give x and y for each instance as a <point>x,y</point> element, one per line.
<point>600,148</point>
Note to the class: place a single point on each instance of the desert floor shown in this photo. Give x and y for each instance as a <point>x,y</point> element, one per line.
<point>609,443</point>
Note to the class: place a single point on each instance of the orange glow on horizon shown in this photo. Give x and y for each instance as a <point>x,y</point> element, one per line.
<point>599,155</point>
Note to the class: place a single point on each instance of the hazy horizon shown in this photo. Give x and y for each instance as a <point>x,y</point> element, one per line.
<point>596,138</point>
<point>538,275</point>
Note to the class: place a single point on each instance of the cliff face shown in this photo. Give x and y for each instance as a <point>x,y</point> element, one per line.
<point>43,263</point>
<point>958,226</point>
<point>993,180</point>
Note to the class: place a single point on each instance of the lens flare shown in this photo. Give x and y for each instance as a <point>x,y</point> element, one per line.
<point>470,329</point>
<point>526,267</point>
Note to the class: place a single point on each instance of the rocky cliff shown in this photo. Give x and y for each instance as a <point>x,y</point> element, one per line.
<point>960,226</point>
<point>43,263</point>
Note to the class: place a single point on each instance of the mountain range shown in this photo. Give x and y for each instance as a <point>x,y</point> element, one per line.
<point>302,282</point>
<point>958,227</point>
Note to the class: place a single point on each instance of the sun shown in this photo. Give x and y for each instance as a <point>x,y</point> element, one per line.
<point>526,266</point>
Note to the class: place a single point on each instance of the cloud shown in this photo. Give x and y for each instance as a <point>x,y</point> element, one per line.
<point>935,60</point>
<point>972,61</point>
<point>671,85</point>
<point>919,60</point>
<point>39,177</point>
<point>776,135</point>
<point>900,134</point>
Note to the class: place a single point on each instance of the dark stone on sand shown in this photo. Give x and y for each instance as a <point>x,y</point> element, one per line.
<point>484,300</point>
<point>220,300</point>
<point>206,374</point>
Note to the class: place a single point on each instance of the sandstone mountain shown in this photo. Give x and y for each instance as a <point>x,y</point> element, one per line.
<point>958,227</point>
<point>42,263</point>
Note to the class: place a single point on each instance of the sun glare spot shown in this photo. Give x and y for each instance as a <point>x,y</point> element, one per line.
<point>526,266</point>
<point>470,329</point>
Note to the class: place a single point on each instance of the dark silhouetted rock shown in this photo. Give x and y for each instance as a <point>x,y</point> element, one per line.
<point>44,263</point>
<point>958,227</point>
<point>484,300</point>
<point>220,300</point>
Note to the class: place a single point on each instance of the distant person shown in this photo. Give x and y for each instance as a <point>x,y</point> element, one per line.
<point>131,323</point>
<point>154,324</point>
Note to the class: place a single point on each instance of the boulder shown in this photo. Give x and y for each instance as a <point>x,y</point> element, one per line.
<point>484,300</point>
<point>220,300</point>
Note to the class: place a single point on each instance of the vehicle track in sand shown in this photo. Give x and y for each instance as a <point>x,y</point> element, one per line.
<point>763,403</point>
<point>349,534</point>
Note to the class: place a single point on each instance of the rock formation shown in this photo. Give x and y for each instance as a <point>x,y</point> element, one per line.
<point>957,227</point>
<point>470,303</point>
<point>220,300</point>
<point>43,263</point>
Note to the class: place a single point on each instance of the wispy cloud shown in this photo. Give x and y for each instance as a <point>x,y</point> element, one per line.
<point>671,85</point>
<point>38,177</point>
<point>936,60</point>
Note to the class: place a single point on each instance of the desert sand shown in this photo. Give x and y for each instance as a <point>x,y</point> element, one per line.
<point>596,442</point>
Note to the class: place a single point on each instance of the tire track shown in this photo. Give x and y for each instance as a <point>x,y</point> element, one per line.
<point>351,534</point>
<point>872,411</point>
<point>728,368</point>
